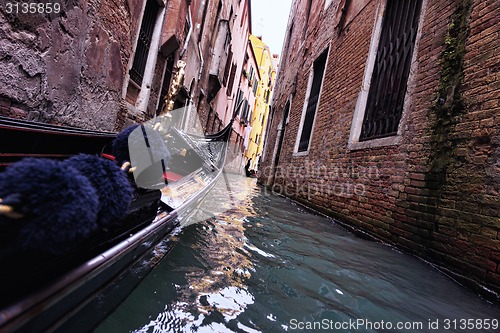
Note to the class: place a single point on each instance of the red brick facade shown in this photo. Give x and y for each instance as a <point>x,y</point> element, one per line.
<point>433,189</point>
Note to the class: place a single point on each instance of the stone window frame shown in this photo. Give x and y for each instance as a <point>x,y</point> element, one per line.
<point>306,102</point>
<point>359,111</point>
<point>142,100</point>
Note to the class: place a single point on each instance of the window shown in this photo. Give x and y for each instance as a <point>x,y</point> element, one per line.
<point>384,104</point>
<point>227,42</point>
<point>144,42</point>
<point>245,107</point>
<point>266,96</point>
<point>309,113</point>
<point>231,80</point>
<point>239,97</point>
<point>142,65</point>
<point>228,67</point>
<point>281,135</point>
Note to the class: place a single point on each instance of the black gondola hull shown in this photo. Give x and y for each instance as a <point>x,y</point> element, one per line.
<point>78,299</point>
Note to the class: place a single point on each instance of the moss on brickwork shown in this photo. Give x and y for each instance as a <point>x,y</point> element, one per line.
<point>449,99</point>
<point>449,104</point>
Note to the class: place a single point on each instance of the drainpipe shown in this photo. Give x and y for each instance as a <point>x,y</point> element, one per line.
<point>190,20</point>
<point>201,60</point>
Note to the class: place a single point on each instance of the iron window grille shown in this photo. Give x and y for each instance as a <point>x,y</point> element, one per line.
<point>389,80</point>
<point>144,42</point>
<point>312,104</point>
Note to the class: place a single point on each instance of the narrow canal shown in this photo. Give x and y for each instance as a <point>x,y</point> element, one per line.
<point>264,264</point>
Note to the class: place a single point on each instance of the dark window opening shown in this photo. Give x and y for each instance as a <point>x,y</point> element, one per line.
<point>266,96</point>
<point>231,80</point>
<point>389,80</point>
<point>281,135</point>
<point>144,42</point>
<point>312,104</point>
<point>239,97</point>
<point>166,83</point>
<point>227,68</point>
<point>245,113</point>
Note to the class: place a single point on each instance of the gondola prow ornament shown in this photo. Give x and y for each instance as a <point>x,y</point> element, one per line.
<point>174,88</point>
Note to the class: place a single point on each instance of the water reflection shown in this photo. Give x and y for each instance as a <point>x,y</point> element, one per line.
<point>266,265</point>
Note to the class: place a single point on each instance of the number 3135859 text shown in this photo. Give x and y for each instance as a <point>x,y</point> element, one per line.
<point>20,7</point>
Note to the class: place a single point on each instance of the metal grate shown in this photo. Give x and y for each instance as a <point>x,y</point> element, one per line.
<point>144,42</point>
<point>392,67</point>
<point>319,68</point>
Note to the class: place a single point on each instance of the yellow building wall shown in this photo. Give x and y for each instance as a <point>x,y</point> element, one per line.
<point>263,98</point>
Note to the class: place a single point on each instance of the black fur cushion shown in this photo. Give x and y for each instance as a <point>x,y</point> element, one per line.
<point>120,145</point>
<point>59,204</point>
<point>114,190</point>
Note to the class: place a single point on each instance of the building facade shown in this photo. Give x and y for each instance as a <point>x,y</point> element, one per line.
<point>105,64</point>
<point>385,116</point>
<point>267,69</point>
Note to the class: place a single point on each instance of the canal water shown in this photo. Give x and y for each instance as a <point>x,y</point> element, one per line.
<point>264,264</point>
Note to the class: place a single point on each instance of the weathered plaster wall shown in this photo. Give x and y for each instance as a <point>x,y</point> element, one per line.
<point>67,68</point>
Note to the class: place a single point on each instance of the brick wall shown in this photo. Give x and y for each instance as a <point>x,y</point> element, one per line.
<point>67,68</point>
<point>435,193</point>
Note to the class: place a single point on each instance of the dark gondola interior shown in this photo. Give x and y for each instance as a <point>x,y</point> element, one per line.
<point>33,269</point>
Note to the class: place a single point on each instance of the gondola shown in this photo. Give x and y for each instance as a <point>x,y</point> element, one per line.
<point>40,293</point>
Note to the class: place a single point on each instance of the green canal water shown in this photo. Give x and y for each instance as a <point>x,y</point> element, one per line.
<point>264,264</point>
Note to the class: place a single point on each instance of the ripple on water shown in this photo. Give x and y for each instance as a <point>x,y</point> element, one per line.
<point>265,262</point>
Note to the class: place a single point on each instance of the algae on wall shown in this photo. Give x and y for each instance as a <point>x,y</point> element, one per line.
<point>449,105</point>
